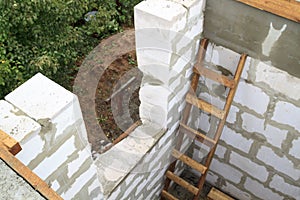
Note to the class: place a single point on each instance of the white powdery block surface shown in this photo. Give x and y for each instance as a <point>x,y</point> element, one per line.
<point>252,123</point>
<point>275,136</point>
<point>44,100</point>
<point>225,58</point>
<point>17,124</point>
<point>279,184</point>
<point>114,165</point>
<point>219,55</point>
<point>278,80</point>
<point>227,171</point>
<point>287,113</point>
<point>260,190</point>
<point>257,171</point>
<point>236,192</point>
<point>154,104</point>
<point>40,98</point>
<point>61,136</point>
<point>236,140</point>
<point>165,15</point>
<point>294,151</point>
<point>281,164</point>
<point>252,97</point>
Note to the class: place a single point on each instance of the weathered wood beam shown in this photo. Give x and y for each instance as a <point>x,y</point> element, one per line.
<point>289,9</point>
<point>9,143</point>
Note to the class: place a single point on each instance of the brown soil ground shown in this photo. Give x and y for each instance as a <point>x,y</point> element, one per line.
<point>105,108</point>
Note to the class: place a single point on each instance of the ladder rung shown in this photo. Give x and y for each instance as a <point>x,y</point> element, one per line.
<point>190,162</point>
<point>224,80</point>
<point>215,194</point>
<point>167,195</point>
<point>199,136</point>
<point>182,183</point>
<point>203,105</point>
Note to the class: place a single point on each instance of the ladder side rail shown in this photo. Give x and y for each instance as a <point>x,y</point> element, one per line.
<point>194,84</point>
<point>222,121</point>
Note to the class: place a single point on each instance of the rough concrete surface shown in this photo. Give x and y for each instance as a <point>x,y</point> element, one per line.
<point>15,187</point>
<point>262,35</point>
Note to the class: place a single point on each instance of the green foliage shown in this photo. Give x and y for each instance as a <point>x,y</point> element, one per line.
<point>51,36</point>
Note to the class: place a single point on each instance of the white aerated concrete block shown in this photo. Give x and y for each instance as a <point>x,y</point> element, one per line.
<point>260,191</point>
<point>236,140</point>
<point>165,15</point>
<point>279,184</point>
<point>40,98</point>
<point>220,151</point>
<point>252,97</point>
<point>227,171</point>
<point>225,58</point>
<point>275,136</point>
<point>287,113</point>
<point>279,163</point>
<point>17,124</point>
<point>56,159</point>
<point>195,29</point>
<point>294,151</point>
<point>248,166</point>
<point>247,66</point>
<point>154,104</point>
<point>60,135</point>
<point>236,192</point>
<point>31,149</point>
<point>74,166</point>
<point>231,118</point>
<point>82,180</point>
<point>278,80</point>
<point>211,177</point>
<point>252,123</point>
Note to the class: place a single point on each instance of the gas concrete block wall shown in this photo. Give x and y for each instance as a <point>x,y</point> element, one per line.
<point>258,155</point>
<point>167,36</point>
<point>46,120</point>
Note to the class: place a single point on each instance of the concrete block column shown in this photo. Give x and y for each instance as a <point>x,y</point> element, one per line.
<point>46,119</point>
<point>167,37</point>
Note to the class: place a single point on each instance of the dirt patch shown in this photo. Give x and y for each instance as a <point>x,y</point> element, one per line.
<point>111,57</point>
<point>117,100</point>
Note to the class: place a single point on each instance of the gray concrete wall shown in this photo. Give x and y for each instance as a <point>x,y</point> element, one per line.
<point>15,187</point>
<point>246,29</point>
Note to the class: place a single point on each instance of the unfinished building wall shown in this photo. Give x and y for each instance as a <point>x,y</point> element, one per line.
<point>258,155</point>
<point>167,36</point>
<point>47,122</point>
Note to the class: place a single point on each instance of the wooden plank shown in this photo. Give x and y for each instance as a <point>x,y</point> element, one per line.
<point>215,194</point>
<point>203,105</point>
<point>289,9</point>
<point>167,195</point>
<point>190,162</point>
<point>182,182</point>
<point>224,80</point>
<point>36,182</point>
<point>199,136</point>
<point>9,143</point>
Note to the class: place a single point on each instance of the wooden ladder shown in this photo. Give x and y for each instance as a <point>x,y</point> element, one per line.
<point>192,100</point>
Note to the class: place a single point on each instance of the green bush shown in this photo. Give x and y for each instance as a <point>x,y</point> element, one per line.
<point>51,36</point>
